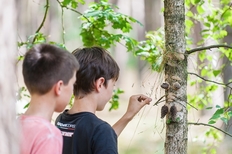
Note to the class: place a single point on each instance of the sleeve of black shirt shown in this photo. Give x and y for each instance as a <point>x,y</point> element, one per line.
<point>104,140</point>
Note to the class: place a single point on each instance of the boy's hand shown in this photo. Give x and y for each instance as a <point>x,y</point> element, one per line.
<point>136,102</point>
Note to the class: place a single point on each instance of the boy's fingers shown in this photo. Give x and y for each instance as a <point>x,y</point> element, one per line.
<point>144,100</point>
<point>147,101</point>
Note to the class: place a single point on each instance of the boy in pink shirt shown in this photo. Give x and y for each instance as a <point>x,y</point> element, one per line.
<point>49,75</point>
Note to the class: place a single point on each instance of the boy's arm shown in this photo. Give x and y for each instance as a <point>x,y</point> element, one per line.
<point>136,102</point>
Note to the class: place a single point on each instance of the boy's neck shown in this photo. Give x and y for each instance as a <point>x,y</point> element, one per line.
<point>86,104</point>
<point>41,106</point>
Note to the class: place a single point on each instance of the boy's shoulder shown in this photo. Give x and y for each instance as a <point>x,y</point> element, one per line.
<point>37,125</point>
<point>79,119</point>
<point>39,136</point>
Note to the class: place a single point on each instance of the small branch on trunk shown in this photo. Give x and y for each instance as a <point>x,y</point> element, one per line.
<point>44,18</point>
<point>227,84</point>
<point>159,100</point>
<point>207,48</point>
<point>203,124</point>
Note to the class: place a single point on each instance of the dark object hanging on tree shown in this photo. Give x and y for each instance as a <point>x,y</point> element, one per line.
<point>165,85</point>
<point>176,85</point>
<point>173,111</point>
<point>164,111</point>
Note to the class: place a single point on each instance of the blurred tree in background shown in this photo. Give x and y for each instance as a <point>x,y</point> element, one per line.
<point>8,44</point>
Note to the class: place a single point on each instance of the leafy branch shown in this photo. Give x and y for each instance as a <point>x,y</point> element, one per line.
<point>42,23</point>
<point>203,124</point>
<point>71,9</point>
<point>229,8</point>
<point>207,48</point>
<point>207,80</point>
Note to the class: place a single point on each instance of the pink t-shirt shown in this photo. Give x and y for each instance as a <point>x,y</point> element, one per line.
<point>39,136</point>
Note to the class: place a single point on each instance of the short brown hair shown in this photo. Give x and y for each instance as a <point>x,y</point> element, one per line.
<point>95,62</point>
<point>46,64</point>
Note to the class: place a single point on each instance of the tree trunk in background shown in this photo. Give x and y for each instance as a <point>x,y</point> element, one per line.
<point>227,75</point>
<point>176,65</point>
<point>153,15</point>
<point>8,125</point>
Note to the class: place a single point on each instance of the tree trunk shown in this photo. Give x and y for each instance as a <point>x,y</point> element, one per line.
<point>175,66</point>
<point>8,125</point>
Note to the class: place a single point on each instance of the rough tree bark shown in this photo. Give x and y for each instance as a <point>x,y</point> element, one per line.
<point>176,76</point>
<point>8,126</point>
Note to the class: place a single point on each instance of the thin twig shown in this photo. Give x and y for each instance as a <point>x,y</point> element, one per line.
<point>227,84</point>
<point>159,100</point>
<point>68,8</point>
<point>203,124</point>
<point>62,21</point>
<point>229,8</point>
<point>44,18</point>
<point>192,106</point>
<point>208,47</point>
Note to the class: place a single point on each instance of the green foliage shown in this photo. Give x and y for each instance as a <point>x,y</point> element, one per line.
<point>72,3</point>
<point>152,49</point>
<point>99,20</point>
<point>214,20</point>
<point>115,99</point>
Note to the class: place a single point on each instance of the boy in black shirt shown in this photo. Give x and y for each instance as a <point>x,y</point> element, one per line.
<point>83,132</point>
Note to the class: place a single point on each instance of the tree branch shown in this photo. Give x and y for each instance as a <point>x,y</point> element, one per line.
<point>208,47</point>
<point>44,18</point>
<point>159,100</point>
<point>227,84</point>
<point>229,8</point>
<point>203,124</point>
<point>192,106</point>
<point>68,8</point>
<point>62,21</point>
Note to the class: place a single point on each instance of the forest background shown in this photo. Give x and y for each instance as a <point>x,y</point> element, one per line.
<point>209,72</point>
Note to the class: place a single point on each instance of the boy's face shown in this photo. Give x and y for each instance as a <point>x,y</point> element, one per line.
<point>107,94</point>
<point>67,92</point>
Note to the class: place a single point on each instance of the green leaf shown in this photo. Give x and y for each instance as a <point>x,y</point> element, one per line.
<point>230,113</point>
<point>227,14</point>
<point>66,2</point>
<point>93,13</point>
<point>218,106</point>
<point>216,72</point>
<point>207,24</point>
<point>74,4</point>
<point>189,14</point>
<point>194,2</point>
<point>217,114</point>
<point>225,120</point>
<point>200,10</point>
<point>202,56</point>
<point>211,122</point>
<point>81,1</point>
<point>26,106</point>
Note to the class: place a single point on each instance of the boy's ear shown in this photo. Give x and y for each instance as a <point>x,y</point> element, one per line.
<point>99,84</point>
<point>58,87</point>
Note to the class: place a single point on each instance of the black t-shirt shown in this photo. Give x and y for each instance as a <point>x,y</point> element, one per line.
<point>85,133</point>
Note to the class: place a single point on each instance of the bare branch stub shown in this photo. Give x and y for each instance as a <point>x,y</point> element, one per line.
<point>208,47</point>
